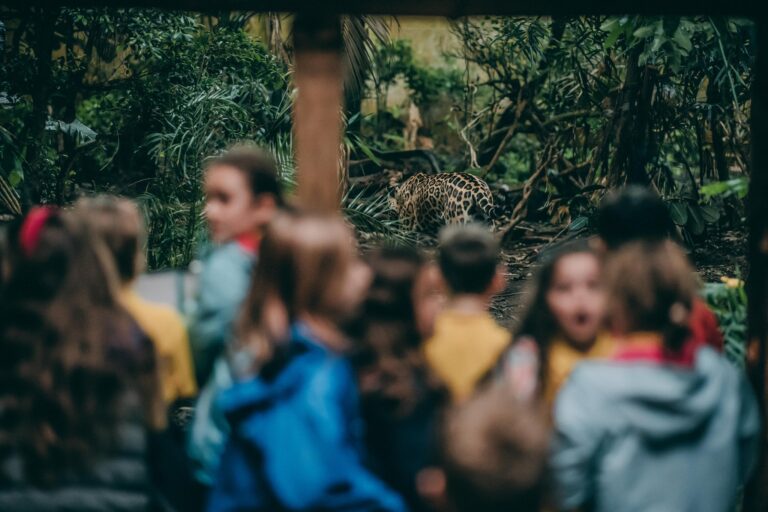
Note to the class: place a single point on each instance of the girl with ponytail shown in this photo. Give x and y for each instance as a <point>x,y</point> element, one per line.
<point>660,406</point>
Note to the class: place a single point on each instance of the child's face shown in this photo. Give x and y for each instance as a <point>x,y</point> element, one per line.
<point>576,299</point>
<point>428,299</point>
<point>230,207</point>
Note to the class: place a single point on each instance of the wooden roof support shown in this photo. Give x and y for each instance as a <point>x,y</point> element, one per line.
<point>318,74</point>
<point>448,8</point>
<point>757,223</point>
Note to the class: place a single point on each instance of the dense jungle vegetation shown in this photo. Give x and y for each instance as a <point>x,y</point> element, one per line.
<point>550,111</point>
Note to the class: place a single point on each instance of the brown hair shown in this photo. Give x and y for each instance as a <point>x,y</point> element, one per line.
<point>537,320</point>
<point>494,454</point>
<point>119,224</point>
<point>303,260</point>
<point>257,166</point>
<point>468,257</point>
<point>390,346</point>
<point>67,350</point>
<point>651,287</point>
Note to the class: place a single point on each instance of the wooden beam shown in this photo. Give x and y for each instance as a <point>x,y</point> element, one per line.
<point>319,77</point>
<point>757,252</point>
<point>449,8</point>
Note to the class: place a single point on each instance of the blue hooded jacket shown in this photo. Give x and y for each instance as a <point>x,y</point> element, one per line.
<point>643,436</point>
<point>295,441</point>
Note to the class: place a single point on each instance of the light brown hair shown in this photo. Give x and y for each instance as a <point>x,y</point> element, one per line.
<point>494,454</point>
<point>651,287</point>
<point>119,224</point>
<point>303,262</point>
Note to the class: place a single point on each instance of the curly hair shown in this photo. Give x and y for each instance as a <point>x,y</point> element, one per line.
<point>66,350</point>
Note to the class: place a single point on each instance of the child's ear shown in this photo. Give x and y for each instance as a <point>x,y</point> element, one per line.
<point>499,281</point>
<point>431,485</point>
<point>266,201</point>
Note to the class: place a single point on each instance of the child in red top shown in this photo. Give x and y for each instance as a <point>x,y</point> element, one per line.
<point>636,214</point>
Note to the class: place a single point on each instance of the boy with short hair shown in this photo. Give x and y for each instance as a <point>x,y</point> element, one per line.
<point>467,341</point>
<point>638,214</point>
<point>494,454</point>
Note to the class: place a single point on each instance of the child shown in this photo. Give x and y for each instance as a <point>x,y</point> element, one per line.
<point>561,326</point>
<point>493,456</point>
<point>400,398</point>
<point>118,222</point>
<point>295,438</point>
<point>467,341</point>
<point>635,214</point>
<point>653,428</point>
<point>242,194</point>
<point>78,387</point>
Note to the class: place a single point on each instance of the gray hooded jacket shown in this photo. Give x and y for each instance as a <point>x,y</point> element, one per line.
<point>645,436</point>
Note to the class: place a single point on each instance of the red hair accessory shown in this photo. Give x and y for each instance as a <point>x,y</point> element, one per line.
<point>29,235</point>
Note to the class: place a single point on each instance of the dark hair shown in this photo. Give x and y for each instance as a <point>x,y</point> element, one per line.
<point>494,454</point>
<point>119,224</point>
<point>631,214</point>
<point>389,343</point>
<point>651,287</point>
<point>537,320</point>
<point>258,167</point>
<point>67,350</point>
<point>468,257</point>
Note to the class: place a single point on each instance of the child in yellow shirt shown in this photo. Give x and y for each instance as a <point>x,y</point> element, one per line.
<point>118,223</point>
<point>467,342</point>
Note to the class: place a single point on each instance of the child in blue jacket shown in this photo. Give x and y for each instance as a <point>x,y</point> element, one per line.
<point>296,430</point>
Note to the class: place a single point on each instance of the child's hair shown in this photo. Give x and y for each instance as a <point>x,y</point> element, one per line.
<point>66,346</point>
<point>631,214</point>
<point>258,167</point>
<point>303,260</point>
<point>651,287</point>
<point>468,257</point>
<point>389,340</point>
<point>537,320</point>
<point>494,454</point>
<point>119,224</point>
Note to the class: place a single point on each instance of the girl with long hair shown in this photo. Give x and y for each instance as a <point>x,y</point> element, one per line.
<point>561,325</point>
<point>401,399</point>
<point>295,441</point>
<point>78,380</point>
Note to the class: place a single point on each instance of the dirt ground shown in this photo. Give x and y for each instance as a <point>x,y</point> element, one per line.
<point>721,252</point>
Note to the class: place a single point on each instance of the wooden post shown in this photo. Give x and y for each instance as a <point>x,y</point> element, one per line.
<point>318,74</point>
<point>757,223</point>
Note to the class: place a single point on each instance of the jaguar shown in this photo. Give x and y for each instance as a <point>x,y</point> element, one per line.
<point>427,202</point>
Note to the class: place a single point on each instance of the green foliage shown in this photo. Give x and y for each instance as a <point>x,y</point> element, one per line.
<point>138,99</point>
<point>373,220</point>
<point>736,187</point>
<point>427,86</point>
<point>601,101</point>
<point>729,302</point>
